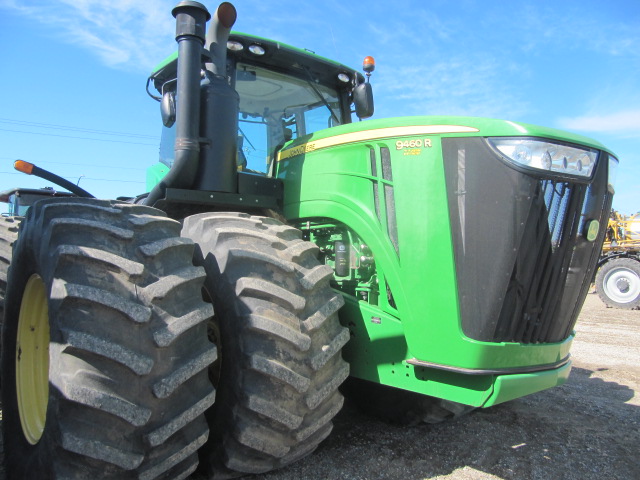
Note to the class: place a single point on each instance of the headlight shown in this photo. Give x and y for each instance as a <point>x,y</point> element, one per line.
<point>235,46</point>
<point>548,156</point>
<point>257,49</point>
<point>613,170</point>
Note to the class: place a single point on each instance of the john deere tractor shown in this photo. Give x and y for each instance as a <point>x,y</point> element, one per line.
<point>438,262</point>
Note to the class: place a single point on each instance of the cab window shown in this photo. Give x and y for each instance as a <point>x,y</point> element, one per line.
<point>275,108</point>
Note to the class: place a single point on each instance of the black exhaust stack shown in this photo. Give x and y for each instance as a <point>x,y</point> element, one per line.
<point>220,103</point>
<point>191,18</point>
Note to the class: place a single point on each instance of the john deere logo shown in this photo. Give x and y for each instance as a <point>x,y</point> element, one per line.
<point>592,227</point>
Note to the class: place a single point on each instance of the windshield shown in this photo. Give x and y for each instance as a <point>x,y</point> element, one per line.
<point>275,108</point>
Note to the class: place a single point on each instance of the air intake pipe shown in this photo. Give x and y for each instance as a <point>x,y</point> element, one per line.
<point>191,18</point>
<point>220,103</point>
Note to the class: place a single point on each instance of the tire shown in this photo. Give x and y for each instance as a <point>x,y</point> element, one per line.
<point>279,340</point>
<point>618,283</point>
<point>400,407</point>
<point>8,235</point>
<point>105,350</point>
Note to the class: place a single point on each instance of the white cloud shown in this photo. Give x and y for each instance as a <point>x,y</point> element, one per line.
<point>623,123</point>
<point>123,33</point>
<point>461,85</point>
<point>136,35</point>
<point>566,25</point>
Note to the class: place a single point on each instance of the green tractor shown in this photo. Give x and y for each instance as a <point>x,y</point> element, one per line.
<point>437,263</point>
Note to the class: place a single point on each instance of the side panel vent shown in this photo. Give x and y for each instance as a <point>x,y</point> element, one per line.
<point>390,204</point>
<point>374,173</point>
<point>385,204</point>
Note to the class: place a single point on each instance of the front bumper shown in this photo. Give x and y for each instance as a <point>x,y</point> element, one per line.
<point>510,387</point>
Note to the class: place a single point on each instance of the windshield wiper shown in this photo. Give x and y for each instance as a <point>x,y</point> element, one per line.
<point>312,81</point>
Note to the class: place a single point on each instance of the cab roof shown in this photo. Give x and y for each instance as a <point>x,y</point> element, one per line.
<point>277,56</point>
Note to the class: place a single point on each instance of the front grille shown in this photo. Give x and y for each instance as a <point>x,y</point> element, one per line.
<point>522,262</point>
<point>540,272</point>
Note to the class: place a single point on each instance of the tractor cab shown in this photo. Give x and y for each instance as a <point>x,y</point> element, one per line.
<point>284,93</point>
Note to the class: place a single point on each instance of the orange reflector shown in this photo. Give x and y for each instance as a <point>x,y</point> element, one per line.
<point>369,64</point>
<point>24,167</point>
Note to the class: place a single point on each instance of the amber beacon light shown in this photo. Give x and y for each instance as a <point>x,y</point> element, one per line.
<point>369,65</point>
<point>24,167</point>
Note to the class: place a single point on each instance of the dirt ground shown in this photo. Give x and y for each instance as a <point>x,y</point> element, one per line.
<point>588,428</point>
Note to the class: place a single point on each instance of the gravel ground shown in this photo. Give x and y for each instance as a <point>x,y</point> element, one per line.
<point>586,429</point>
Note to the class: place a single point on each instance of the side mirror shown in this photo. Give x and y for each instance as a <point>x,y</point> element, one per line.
<point>168,109</point>
<point>363,99</point>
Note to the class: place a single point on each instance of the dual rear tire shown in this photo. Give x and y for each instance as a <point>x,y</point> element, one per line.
<point>111,353</point>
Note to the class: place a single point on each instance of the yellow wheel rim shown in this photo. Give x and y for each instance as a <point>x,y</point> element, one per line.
<point>32,360</point>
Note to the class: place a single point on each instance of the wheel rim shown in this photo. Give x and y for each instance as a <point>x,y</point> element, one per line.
<point>622,285</point>
<point>32,360</point>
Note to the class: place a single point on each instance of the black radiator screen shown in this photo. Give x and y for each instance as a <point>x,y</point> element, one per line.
<point>523,264</point>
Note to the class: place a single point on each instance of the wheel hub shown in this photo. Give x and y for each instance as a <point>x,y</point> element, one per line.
<point>32,360</point>
<point>623,285</point>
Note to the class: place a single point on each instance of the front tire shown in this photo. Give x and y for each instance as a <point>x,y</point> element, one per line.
<point>105,350</point>
<point>279,341</point>
<point>618,283</point>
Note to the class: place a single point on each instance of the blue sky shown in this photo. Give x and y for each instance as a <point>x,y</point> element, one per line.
<point>73,73</point>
